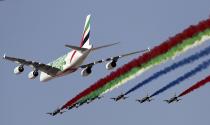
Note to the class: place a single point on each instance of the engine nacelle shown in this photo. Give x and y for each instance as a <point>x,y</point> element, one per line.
<point>86,71</point>
<point>18,70</point>
<point>33,74</point>
<point>111,65</point>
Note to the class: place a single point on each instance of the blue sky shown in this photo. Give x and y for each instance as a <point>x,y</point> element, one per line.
<point>39,29</point>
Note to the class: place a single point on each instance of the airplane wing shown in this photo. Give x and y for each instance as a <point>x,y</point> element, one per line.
<point>35,65</point>
<point>76,48</point>
<point>115,58</point>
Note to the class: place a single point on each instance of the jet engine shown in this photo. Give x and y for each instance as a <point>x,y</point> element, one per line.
<point>33,74</point>
<point>86,71</point>
<point>18,70</point>
<point>110,65</point>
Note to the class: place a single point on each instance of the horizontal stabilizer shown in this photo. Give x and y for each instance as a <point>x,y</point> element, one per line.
<point>76,48</point>
<point>108,45</point>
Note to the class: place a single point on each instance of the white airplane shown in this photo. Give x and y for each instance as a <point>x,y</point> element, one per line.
<point>69,62</point>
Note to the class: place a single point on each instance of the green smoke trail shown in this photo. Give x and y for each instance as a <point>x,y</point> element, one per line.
<point>134,72</point>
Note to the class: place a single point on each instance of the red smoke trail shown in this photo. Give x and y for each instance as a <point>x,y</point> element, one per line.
<point>196,86</point>
<point>156,51</point>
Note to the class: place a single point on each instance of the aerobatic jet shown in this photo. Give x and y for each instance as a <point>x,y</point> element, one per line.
<point>77,105</point>
<point>57,111</point>
<point>147,98</point>
<point>92,99</point>
<point>173,99</point>
<point>71,107</point>
<point>120,97</point>
<point>70,62</point>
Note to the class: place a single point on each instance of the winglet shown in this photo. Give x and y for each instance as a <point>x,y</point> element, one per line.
<point>4,55</point>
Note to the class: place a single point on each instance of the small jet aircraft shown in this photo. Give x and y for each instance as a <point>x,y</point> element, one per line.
<point>173,99</point>
<point>69,62</point>
<point>147,98</point>
<point>75,105</point>
<point>92,99</point>
<point>81,103</point>
<point>72,106</point>
<point>57,111</point>
<point>120,97</point>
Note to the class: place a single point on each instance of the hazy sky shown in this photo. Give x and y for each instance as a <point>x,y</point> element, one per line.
<point>39,29</point>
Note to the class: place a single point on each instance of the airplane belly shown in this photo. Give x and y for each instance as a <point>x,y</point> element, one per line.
<point>70,66</point>
<point>45,77</point>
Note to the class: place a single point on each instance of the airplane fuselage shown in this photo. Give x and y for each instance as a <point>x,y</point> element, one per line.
<point>67,64</point>
<point>173,100</point>
<point>145,99</point>
<point>119,97</point>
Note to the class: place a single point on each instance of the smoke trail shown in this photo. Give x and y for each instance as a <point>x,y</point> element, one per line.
<point>190,36</point>
<point>193,72</point>
<point>172,67</point>
<point>196,86</point>
<point>137,70</point>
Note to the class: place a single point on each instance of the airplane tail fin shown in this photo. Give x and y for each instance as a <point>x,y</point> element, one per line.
<point>85,41</point>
